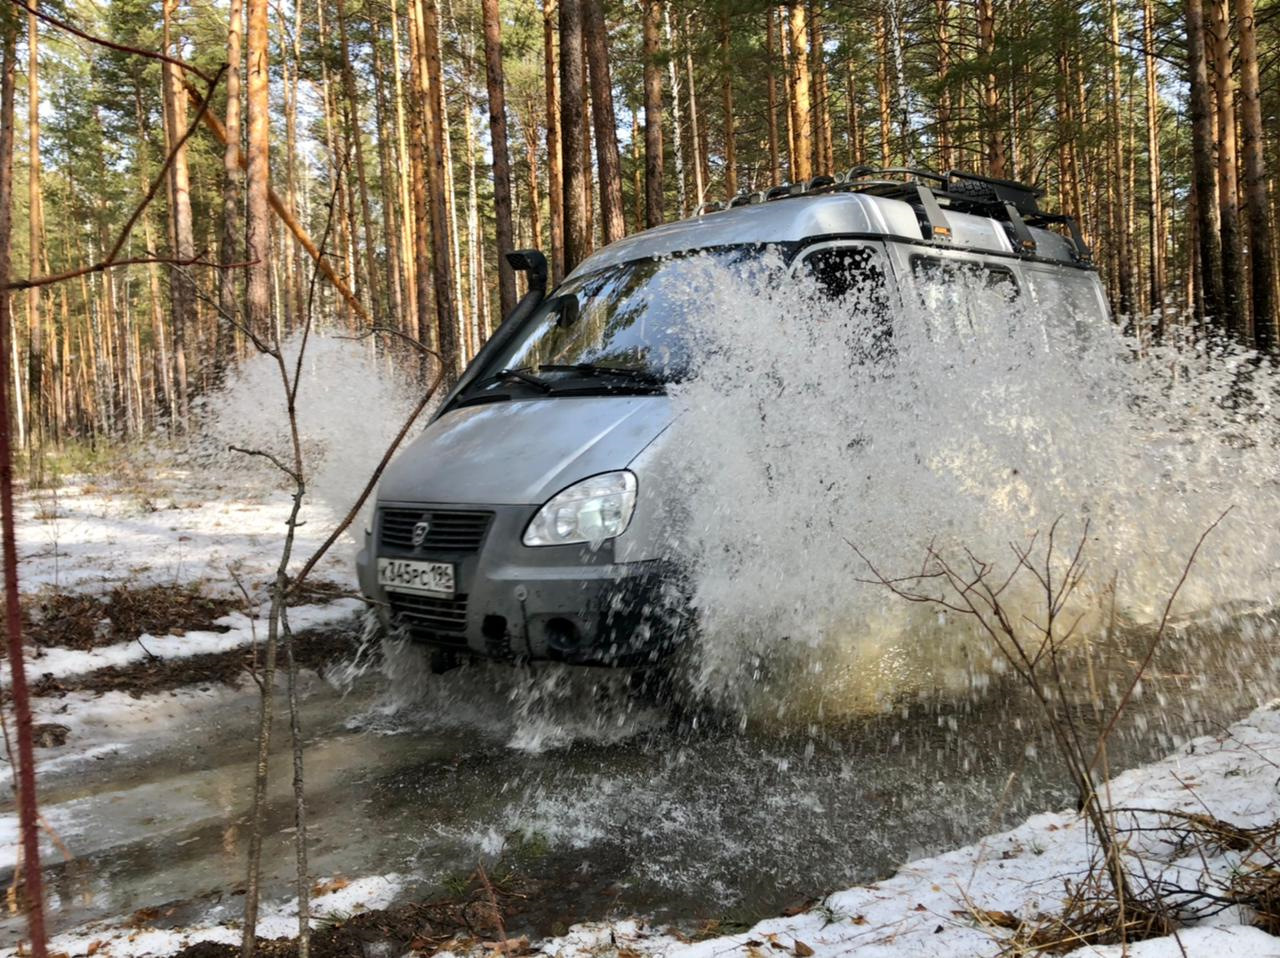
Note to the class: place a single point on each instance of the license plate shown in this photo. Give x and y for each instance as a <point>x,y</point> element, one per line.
<point>419,578</point>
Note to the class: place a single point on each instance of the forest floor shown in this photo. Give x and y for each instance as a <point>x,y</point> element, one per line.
<point>144,606</point>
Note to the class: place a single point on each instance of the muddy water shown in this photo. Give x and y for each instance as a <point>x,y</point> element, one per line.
<point>601,806</point>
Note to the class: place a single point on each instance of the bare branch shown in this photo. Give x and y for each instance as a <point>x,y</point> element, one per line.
<point>197,260</point>
<point>112,45</point>
<point>110,258</point>
<point>274,460</point>
<point>1156,639</point>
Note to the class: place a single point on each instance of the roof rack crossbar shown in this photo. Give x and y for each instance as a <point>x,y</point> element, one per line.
<point>1079,247</point>
<point>933,222</point>
<point>1024,242</point>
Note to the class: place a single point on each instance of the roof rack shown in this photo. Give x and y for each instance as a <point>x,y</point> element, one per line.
<point>1013,203</point>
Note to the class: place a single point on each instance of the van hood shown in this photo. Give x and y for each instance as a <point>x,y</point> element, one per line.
<point>523,451</point>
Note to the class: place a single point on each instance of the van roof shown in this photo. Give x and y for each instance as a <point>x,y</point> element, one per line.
<point>1007,223</point>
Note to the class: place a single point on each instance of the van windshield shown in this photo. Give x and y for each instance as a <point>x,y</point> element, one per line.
<point>631,316</point>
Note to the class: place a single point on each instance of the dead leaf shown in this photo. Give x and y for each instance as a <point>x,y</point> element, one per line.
<point>93,948</point>
<point>328,887</point>
<point>858,920</point>
<point>801,950</point>
<point>512,946</point>
<point>1000,919</point>
<point>799,908</point>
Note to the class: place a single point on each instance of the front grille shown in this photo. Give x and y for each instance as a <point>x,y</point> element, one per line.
<point>440,618</point>
<point>449,531</point>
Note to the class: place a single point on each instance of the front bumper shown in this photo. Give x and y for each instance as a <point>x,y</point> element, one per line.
<point>561,603</point>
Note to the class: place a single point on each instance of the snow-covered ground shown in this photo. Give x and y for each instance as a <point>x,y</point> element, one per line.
<point>178,530</point>
<point>177,526</point>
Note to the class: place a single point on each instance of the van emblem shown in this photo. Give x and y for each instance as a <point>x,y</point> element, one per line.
<point>420,531</point>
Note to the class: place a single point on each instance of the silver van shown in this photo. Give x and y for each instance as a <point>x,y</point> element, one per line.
<point>527,521</point>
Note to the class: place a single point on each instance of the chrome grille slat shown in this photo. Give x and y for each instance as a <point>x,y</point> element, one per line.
<point>451,531</point>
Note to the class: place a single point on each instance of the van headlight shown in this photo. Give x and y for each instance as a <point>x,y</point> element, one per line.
<point>590,511</point>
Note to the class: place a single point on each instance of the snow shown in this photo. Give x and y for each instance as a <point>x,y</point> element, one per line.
<point>242,630</point>
<point>277,920</point>
<point>179,525</point>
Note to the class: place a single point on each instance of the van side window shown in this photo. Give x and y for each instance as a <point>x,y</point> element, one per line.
<point>854,278</point>
<point>934,269</point>
<point>962,294</point>
<point>841,270</point>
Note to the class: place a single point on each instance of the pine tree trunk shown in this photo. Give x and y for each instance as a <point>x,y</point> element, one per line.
<point>1235,317</point>
<point>388,186</point>
<point>501,155</point>
<point>425,332</point>
<point>181,286</point>
<point>1155,189</point>
<point>789,92</point>
<point>823,160</point>
<point>530,131</point>
<point>408,222</point>
<point>232,177</point>
<point>1202,142</point>
<point>857,142</point>
<point>771,47</point>
<point>637,172</point>
<point>577,236</point>
<point>35,248</point>
<point>1122,263</point>
<point>555,146</point>
<point>697,132</point>
<point>653,185</point>
<point>882,90</point>
<point>24,773</point>
<point>677,128</point>
<point>259,319</point>
<point>438,205</point>
<point>942,11</point>
<point>992,119</point>
<point>1262,277</point>
<point>355,134</point>
<point>609,162</point>
<point>802,83</point>
<point>726,99</point>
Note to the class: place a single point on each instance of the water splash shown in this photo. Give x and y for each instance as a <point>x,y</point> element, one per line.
<point>350,405</point>
<point>529,709</point>
<point>807,438</point>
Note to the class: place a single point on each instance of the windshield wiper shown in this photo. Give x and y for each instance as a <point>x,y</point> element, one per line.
<point>516,375</point>
<point>646,376</point>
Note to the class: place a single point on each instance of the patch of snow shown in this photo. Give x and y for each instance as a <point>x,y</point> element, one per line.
<point>179,526</point>
<point>242,631</point>
<point>113,939</point>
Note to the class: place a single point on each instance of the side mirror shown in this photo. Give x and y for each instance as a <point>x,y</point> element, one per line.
<point>567,308</point>
<point>534,263</point>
